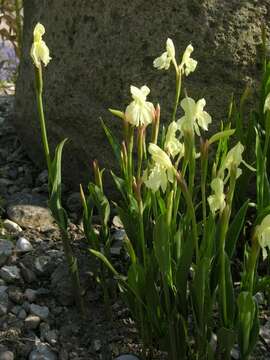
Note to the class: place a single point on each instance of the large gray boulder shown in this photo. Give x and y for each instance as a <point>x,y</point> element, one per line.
<point>99,48</point>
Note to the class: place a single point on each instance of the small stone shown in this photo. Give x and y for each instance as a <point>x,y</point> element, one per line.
<point>116,248</point>
<point>3,300</point>
<point>259,297</point>
<point>30,211</point>
<point>119,234</point>
<point>15,294</point>
<point>43,264</point>
<point>6,355</point>
<point>10,273</point>
<point>6,247</point>
<point>265,332</point>
<point>23,245</point>
<point>22,314</point>
<point>235,353</point>
<point>97,345</point>
<point>12,226</point>
<point>26,306</point>
<point>117,222</point>
<point>42,352</point>
<point>30,295</point>
<point>46,334</point>
<point>32,322</point>
<point>28,275</point>
<point>41,311</point>
<point>16,309</point>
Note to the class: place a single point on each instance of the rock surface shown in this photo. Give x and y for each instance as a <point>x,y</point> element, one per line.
<point>30,210</point>
<point>6,247</point>
<point>100,48</point>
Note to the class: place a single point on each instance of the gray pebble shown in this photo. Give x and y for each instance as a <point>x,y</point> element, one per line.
<point>12,226</point>
<point>6,247</point>
<point>42,352</point>
<point>3,300</point>
<point>6,355</point>
<point>23,245</point>
<point>32,322</point>
<point>41,311</point>
<point>30,295</point>
<point>10,273</point>
<point>22,314</point>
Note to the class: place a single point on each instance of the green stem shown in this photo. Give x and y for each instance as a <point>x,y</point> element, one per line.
<point>39,91</point>
<point>140,151</point>
<point>252,264</point>
<point>225,218</point>
<point>130,157</point>
<point>71,260</point>
<point>177,93</point>
<point>142,239</point>
<point>192,214</point>
<point>173,347</point>
<point>73,270</point>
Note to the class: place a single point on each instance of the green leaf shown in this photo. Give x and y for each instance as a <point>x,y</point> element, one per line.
<point>103,258</point>
<point>182,272</point>
<point>221,135</point>
<point>226,340</point>
<point>113,142</point>
<point>55,204</point>
<point>162,247</point>
<point>136,279</point>
<point>235,229</point>
<point>117,113</point>
<point>247,322</point>
<point>200,293</point>
<point>130,250</point>
<point>101,202</point>
<point>226,300</point>
<point>120,184</point>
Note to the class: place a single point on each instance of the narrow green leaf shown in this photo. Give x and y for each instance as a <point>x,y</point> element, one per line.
<point>113,142</point>
<point>55,204</point>
<point>117,113</point>
<point>162,247</point>
<point>235,229</point>
<point>103,258</point>
<point>247,318</point>
<point>221,135</point>
<point>130,250</point>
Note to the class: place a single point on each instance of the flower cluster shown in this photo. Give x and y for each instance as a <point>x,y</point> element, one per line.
<point>233,160</point>
<point>187,64</point>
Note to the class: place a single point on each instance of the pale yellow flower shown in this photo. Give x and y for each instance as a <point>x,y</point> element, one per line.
<point>172,145</point>
<point>195,116</point>
<point>188,64</point>
<point>233,159</point>
<point>262,233</point>
<point>162,171</point>
<point>40,52</point>
<point>217,200</point>
<point>140,112</point>
<point>267,103</point>
<point>164,61</point>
